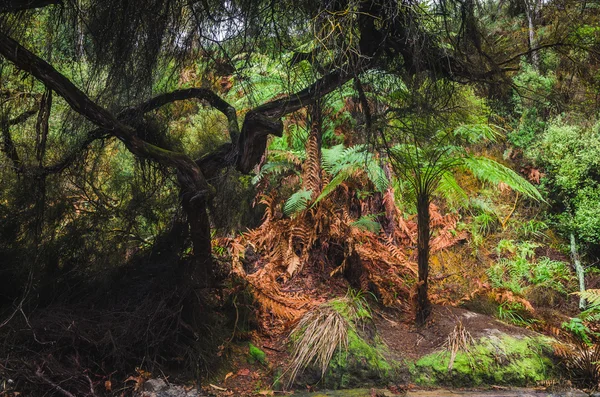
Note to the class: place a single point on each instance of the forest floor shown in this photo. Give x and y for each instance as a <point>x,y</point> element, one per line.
<point>405,342</point>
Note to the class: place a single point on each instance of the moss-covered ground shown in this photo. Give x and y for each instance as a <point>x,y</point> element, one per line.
<point>493,360</point>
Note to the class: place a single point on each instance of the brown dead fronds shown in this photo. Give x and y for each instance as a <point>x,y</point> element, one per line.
<point>317,336</point>
<point>459,340</point>
<point>581,363</point>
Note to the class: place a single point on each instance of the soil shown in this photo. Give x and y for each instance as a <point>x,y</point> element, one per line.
<point>396,328</point>
<point>405,340</point>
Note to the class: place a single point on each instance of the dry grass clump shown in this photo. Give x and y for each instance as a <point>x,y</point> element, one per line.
<point>458,340</point>
<point>317,336</point>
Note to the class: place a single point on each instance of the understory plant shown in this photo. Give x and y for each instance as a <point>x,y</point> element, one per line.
<point>330,331</point>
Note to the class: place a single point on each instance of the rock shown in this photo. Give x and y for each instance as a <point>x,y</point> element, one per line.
<point>154,385</point>
<point>159,388</point>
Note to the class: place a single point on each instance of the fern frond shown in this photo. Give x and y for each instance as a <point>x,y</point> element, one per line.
<point>449,188</point>
<point>340,178</point>
<point>368,223</point>
<point>491,171</point>
<point>377,175</point>
<point>475,133</point>
<point>592,296</point>
<point>273,168</point>
<point>297,202</point>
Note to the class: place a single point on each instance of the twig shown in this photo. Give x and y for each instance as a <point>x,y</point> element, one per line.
<point>93,393</point>
<point>43,377</point>
<point>20,305</point>
<point>511,212</point>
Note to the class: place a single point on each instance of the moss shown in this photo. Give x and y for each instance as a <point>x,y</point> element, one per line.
<point>256,355</point>
<point>493,360</point>
<point>364,361</point>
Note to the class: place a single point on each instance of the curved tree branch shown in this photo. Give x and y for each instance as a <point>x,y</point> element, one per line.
<point>190,175</point>
<point>190,93</point>
<point>22,5</point>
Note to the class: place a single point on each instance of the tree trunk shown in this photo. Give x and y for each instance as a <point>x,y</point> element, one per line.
<point>199,272</point>
<point>423,304</point>
<point>578,270</point>
<point>389,202</point>
<point>530,10</point>
<point>311,169</point>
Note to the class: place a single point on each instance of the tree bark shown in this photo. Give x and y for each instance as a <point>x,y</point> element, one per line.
<point>199,273</point>
<point>21,5</point>
<point>578,270</point>
<point>423,235</point>
<point>530,10</point>
<point>311,169</point>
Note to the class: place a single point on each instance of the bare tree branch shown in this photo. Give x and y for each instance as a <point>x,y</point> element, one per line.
<point>21,5</point>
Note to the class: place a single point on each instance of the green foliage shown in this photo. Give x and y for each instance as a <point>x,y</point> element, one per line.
<point>521,272</point>
<point>570,155</point>
<point>491,171</point>
<point>256,355</point>
<point>532,229</point>
<point>342,163</point>
<point>514,313</point>
<point>297,202</point>
<point>368,222</point>
<point>592,311</point>
<point>576,326</point>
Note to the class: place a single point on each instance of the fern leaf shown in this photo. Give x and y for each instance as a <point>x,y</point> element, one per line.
<point>592,296</point>
<point>273,168</point>
<point>449,188</point>
<point>368,223</point>
<point>491,171</point>
<point>340,178</point>
<point>297,202</point>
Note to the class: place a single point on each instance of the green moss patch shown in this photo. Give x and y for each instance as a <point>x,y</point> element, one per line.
<point>493,360</point>
<point>364,362</point>
<point>256,355</point>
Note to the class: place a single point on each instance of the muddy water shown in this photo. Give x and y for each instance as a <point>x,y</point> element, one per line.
<point>443,393</point>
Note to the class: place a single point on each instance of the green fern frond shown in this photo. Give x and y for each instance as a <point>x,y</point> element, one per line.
<point>337,180</point>
<point>273,168</point>
<point>592,296</point>
<point>330,157</point>
<point>491,171</point>
<point>449,188</point>
<point>368,223</point>
<point>297,202</point>
<point>475,133</point>
<point>377,175</point>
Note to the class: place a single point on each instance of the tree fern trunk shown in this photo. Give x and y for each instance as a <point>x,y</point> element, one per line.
<point>389,203</point>
<point>311,170</point>
<point>423,236</point>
